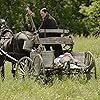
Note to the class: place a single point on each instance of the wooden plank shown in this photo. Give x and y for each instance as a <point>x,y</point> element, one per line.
<point>55,40</point>
<point>60,31</point>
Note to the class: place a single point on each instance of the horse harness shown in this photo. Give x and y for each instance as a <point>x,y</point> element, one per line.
<point>5,37</point>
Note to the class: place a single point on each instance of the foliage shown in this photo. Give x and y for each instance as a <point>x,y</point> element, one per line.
<point>79,16</point>
<point>92,17</point>
<point>65,89</point>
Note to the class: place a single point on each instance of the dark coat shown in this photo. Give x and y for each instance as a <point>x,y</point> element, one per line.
<point>49,23</point>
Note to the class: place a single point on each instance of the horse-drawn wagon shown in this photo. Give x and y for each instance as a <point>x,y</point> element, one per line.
<point>34,60</point>
<point>42,64</point>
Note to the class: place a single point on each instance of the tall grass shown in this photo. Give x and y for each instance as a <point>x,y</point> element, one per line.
<point>87,44</point>
<point>65,89</point>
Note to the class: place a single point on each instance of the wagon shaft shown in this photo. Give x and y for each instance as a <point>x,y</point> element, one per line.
<point>7,55</point>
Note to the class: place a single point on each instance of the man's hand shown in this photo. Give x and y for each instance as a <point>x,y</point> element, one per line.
<point>29,12</point>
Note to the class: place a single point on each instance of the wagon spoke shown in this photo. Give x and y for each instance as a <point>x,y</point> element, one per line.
<point>90,63</point>
<point>24,67</point>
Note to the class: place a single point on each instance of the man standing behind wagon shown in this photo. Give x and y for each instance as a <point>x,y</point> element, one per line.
<point>48,22</point>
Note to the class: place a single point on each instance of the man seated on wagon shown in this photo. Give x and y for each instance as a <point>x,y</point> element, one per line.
<point>48,22</point>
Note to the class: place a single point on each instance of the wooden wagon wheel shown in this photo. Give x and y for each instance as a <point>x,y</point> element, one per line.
<point>24,67</point>
<point>90,63</point>
<point>39,68</point>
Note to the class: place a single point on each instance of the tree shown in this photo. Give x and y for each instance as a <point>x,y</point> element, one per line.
<point>79,16</point>
<point>92,17</point>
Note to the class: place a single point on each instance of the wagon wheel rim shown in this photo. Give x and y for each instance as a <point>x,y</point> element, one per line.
<point>37,63</point>
<point>39,68</point>
<point>90,62</point>
<point>24,67</point>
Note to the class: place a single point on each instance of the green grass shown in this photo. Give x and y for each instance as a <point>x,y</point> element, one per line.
<point>65,89</point>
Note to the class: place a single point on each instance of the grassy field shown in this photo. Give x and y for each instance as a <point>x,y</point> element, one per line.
<point>65,89</point>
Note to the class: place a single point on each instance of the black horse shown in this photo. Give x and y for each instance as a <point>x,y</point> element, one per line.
<point>12,44</point>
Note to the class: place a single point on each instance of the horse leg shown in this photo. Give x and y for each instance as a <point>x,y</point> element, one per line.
<point>13,69</point>
<point>2,72</point>
<point>2,69</point>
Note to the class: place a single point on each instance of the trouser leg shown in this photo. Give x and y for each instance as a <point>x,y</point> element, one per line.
<point>57,49</point>
<point>47,47</point>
